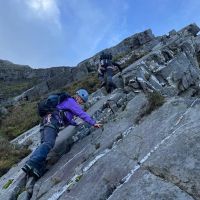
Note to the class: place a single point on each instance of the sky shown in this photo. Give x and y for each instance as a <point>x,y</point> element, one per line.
<point>46,33</point>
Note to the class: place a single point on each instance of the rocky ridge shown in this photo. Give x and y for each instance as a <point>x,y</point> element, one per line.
<point>45,80</point>
<point>143,151</point>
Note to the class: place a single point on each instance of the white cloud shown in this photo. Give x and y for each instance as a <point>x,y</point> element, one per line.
<point>45,10</point>
<point>93,25</point>
<point>97,25</point>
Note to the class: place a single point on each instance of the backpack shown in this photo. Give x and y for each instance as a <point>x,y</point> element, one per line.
<point>105,59</point>
<point>48,105</point>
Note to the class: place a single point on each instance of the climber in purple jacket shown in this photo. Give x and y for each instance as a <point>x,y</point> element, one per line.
<point>50,126</point>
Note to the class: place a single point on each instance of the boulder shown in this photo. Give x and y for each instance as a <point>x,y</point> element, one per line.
<point>190,29</point>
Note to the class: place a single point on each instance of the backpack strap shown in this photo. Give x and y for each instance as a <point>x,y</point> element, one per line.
<point>62,96</point>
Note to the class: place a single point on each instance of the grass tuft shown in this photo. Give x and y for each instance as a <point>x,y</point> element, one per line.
<point>155,100</point>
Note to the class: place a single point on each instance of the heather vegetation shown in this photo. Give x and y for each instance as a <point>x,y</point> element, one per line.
<point>10,155</point>
<point>90,83</point>
<point>10,89</point>
<point>19,119</point>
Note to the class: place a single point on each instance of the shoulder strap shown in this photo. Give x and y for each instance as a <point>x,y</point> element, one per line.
<point>62,96</point>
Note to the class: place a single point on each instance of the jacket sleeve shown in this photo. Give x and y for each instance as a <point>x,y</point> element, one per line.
<point>76,109</point>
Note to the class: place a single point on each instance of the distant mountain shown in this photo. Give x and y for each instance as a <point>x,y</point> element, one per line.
<point>15,79</point>
<point>12,72</point>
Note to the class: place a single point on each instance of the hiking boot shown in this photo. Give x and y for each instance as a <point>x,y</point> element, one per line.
<point>102,84</point>
<point>31,171</point>
<point>27,168</point>
<point>35,173</point>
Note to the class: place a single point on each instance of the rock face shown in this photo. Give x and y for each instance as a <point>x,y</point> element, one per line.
<point>14,72</point>
<point>38,81</point>
<point>138,44</point>
<point>173,66</point>
<point>147,148</point>
<point>10,71</point>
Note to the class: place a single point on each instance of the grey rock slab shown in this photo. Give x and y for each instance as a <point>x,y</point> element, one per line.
<point>63,142</point>
<point>11,192</point>
<point>118,81</point>
<point>178,65</point>
<point>178,161</point>
<point>197,43</point>
<point>31,137</point>
<point>24,196</point>
<point>92,145</point>
<point>134,147</point>
<point>96,96</point>
<point>101,177</point>
<point>155,133</point>
<point>185,82</point>
<point>62,171</point>
<point>17,178</point>
<point>151,131</point>
<point>145,186</point>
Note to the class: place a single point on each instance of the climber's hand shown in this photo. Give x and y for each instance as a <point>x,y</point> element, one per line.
<point>97,125</point>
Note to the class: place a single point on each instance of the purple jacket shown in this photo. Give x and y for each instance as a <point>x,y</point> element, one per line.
<point>74,109</point>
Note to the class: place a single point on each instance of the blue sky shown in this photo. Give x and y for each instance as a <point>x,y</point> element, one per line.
<point>45,33</point>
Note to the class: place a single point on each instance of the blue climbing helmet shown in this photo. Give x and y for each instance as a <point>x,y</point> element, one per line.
<point>83,94</point>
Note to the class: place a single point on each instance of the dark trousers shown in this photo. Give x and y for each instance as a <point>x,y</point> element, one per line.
<point>106,79</point>
<point>49,130</point>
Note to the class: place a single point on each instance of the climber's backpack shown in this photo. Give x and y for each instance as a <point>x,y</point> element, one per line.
<point>48,105</point>
<point>105,59</point>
